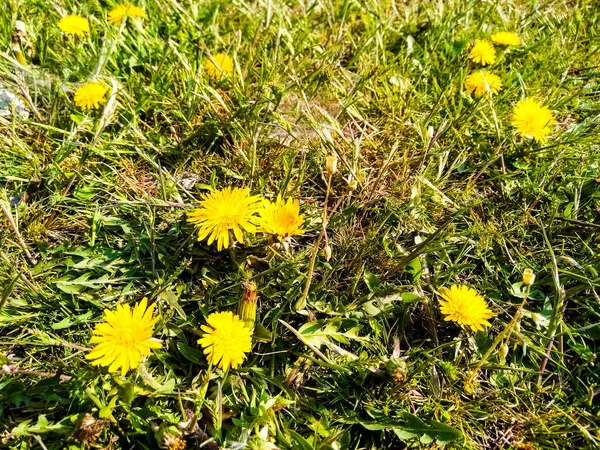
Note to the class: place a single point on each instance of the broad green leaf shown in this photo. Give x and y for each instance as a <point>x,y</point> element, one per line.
<point>85,193</point>
<point>42,426</point>
<point>168,387</point>
<point>408,297</point>
<point>261,334</point>
<point>105,412</point>
<point>77,118</point>
<point>65,323</point>
<point>302,443</point>
<point>518,289</point>
<point>322,332</point>
<point>73,286</point>
<point>382,304</point>
<point>426,430</point>
<point>589,331</point>
<point>79,284</point>
<point>195,355</point>
<point>173,300</point>
<point>414,269</point>
<point>128,392</point>
<point>371,280</point>
<point>410,427</point>
<point>68,321</point>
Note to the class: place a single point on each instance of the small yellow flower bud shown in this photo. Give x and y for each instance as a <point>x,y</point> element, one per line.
<point>352,185</point>
<point>518,327</point>
<point>528,277</point>
<point>331,165</point>
<point>247,305</point>
<point>502,352</point>
<point>327,252</point>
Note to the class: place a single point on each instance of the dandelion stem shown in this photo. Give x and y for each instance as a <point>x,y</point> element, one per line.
<point>506,332</point>
<point>39,441</point>
<point>301,303</point>
<point>557,308</point>
<point>234,258</point>
<point>147,377</point>
<point>34,373</point>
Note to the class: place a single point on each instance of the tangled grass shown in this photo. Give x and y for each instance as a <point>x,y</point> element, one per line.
<point>436,184</point>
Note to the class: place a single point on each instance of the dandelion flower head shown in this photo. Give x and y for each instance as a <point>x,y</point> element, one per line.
<point>282,218</point>
<point>219,66</point>
<point>124,337</point>
<point>506,38</point>
<point>483,53</point>
<point>483,81</point>
<point>90,95</point>
<point>228,210</point>
<point>226,340</point>
<point>532,119</point>
<point>465,306</point>
<point>119,12</point>
<point>74,24</point>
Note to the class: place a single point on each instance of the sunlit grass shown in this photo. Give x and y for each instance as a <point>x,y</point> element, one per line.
<point>434,186</point>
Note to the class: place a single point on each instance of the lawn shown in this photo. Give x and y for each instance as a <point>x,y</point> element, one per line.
<point>299,224</point>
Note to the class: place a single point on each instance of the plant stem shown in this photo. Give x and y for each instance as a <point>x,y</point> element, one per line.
<point>557,308</point>
<point>13,225</point>
<point>147,377</point>
<point>506,332</point>
<point>301,303</point>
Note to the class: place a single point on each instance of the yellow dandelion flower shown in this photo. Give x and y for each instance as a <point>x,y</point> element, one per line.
<point>506,38</point>
<point>532,119</point>
<point>226,340</point>
<point>74,24</point>
<point>465,306</point>
<point>124,338</point>
<point>90,95</point>
<point>223,211</point>
<point>483,53</point>
<point>221,65</point>
<point>483,81</point>
<point>119,12</point>
<point>281,218</point>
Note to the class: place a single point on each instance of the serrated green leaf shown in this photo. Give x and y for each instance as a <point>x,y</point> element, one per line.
<point>105,412</point>
<point>410,427</point>
<point>173,300</point>
<point>42,426</point>
<point>167,387</point>
<point>322,332</point>
<point>194,355</point>
<point>408,297</point>
<point>371,280</point>
<point>414,269</point>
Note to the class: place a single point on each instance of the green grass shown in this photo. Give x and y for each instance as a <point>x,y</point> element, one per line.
<point>106,193</point>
